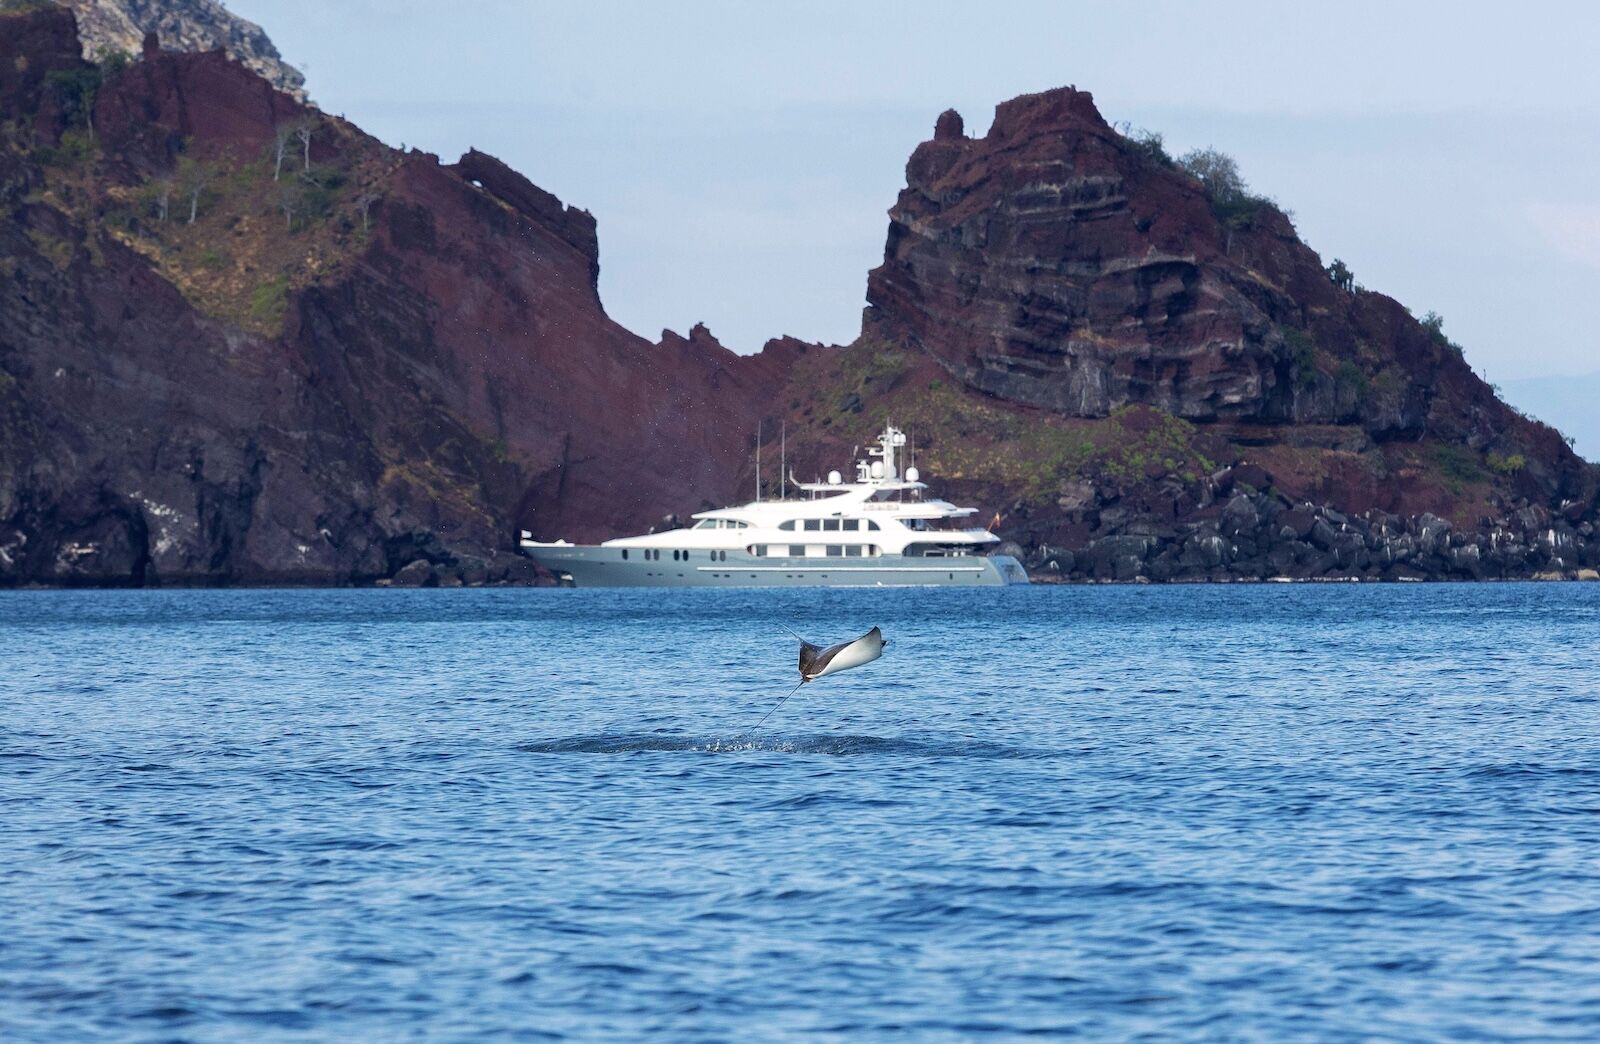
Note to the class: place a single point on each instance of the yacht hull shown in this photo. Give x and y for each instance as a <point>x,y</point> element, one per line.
<point>593,566</point>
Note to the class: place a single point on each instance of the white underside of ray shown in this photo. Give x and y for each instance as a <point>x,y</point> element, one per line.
<point>863,650</point>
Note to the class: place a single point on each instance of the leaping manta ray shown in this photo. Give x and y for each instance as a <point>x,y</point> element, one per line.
<point>816,662</point>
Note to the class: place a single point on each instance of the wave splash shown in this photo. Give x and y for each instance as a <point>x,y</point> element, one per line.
<point>823,743</point>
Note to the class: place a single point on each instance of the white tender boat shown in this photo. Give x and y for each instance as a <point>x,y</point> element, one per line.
<point>879,531</point>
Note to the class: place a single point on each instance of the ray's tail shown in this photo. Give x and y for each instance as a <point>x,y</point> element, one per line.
<point>775,706</point>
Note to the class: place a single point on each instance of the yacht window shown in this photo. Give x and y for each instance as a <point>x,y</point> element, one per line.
<point>797,550</point>
<point>787,527</point>
<point>835,551</point>
<point>624,554</point>
<point>813,525</point>
<point>708,523</point>
<point>831,525</point>
<point>852,551</point>
<point>850,524</point>
<point>872,525</point>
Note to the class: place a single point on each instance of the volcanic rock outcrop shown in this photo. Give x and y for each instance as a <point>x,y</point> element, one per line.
<point>1131,336</point>
<point>1056,263</point>
<point>240,341</point>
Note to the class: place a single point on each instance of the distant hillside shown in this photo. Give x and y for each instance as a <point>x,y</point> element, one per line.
<point>111,26</point>
<point>1569,403</point>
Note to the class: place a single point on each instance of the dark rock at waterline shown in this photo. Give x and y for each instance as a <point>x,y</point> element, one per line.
<point>1254,538</point>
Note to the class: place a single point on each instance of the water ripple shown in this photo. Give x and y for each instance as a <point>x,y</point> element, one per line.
<point>1297,812</point>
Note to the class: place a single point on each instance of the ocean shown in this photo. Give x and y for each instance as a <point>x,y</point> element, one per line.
<point>1267,812</point>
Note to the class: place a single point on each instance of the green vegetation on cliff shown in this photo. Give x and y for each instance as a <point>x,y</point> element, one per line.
<point>964,437</point>
<point>235,240</point>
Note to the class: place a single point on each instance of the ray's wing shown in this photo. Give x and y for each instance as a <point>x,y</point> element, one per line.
<point>808,658</point>
<point>825,657</point>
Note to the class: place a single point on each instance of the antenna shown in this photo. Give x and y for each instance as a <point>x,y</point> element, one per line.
<point>783,458</point>
<point>758,462</point>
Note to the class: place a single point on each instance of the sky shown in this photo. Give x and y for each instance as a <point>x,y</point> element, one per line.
<point>740,158</point>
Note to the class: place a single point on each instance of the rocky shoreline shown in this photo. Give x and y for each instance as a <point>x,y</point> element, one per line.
<point>1247,533</point>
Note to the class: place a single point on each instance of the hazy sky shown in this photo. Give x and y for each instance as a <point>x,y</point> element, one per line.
<point>740,157</point>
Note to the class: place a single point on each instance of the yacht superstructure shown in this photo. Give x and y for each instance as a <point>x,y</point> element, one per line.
<point>879,530</point>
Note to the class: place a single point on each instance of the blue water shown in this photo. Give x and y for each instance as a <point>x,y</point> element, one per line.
<point>1311,812</point>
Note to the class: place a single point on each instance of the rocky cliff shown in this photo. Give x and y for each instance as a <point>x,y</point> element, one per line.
<point>107,27</point>
<point>241,341</point>
<point>1149,380</point>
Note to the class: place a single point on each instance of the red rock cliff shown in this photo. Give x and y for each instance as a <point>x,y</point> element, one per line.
<point>1056,263</point>
<point>222,360</point>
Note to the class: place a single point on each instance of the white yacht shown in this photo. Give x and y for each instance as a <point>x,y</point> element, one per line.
<point>880,530</point>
